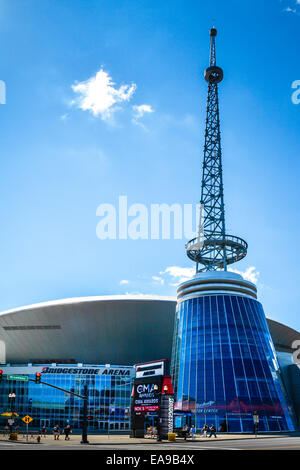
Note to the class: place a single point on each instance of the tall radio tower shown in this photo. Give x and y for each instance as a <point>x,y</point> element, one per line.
<point>213,249</point>
<point>223,359</point>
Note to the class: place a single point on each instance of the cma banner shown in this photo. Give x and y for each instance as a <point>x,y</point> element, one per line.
<point>152,396</point>
<point>145,397</point>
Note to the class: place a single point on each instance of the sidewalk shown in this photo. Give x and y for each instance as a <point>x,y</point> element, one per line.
<point>125,439</point>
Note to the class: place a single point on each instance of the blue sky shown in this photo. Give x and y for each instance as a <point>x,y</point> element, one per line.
<point>59,162</point>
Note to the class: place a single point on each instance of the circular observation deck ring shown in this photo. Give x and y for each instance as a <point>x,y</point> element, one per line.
<point>214,74</point>
<point>210,251</point>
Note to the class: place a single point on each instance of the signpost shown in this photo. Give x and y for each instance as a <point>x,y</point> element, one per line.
<point>22,378</point>
<point>27,419</point>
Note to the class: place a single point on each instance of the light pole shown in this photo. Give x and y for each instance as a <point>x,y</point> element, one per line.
<point>11,398</point>
<point>84,439</point>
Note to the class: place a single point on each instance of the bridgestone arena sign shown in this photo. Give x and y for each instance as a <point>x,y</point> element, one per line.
<point>85,371</point>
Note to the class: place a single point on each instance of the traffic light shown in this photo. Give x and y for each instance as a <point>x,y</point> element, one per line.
<point>1,374</point>
<point>38,378</point>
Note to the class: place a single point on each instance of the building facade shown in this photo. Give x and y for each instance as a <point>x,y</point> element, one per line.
<point>109,391</point>
<point>224,364</point>
<point>80,329</point>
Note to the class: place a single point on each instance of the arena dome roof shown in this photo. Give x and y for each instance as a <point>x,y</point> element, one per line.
<point>117,329</point>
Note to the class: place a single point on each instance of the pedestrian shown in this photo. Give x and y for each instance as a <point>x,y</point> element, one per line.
<point>43,431</point>
<point>185,432</point>
<point>193,432</point>
<point>10,423</point>
<point>205,430</point>
<point>67,431</point>
<point>213,431</point>
<point>223,426</point>
<point>56,432</point>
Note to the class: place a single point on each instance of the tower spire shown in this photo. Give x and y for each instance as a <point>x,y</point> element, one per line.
<point>213,249</point>
<point>212,60</point>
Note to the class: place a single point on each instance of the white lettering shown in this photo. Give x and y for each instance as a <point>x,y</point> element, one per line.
<point>107,227</point>
<point>296,94</point>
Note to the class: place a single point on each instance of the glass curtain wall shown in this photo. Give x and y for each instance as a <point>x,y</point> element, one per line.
<point>224,365</point>
<point>108,404</point>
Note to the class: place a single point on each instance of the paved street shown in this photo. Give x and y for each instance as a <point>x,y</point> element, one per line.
<point>266,443</point>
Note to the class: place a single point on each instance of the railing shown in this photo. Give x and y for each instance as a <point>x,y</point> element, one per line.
<point>20,432</point>
<point>227,239</point>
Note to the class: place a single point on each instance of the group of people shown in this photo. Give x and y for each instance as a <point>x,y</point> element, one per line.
<point>56,432</point>
<point>206,431</point>
<point>209,430</point>
<point>151,432</point>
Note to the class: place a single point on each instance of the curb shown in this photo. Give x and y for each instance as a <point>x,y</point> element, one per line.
<point>187,441</point>
<point>149,442</point>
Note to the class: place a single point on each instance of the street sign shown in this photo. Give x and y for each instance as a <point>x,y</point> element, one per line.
<point>27,419</point>
<point>23,378</point>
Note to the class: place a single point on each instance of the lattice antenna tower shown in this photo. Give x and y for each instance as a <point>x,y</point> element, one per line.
<point>213,250</point>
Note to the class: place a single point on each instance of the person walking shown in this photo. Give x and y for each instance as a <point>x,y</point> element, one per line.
<point>205,430</point>
<point>185,432</point>
<point>43,431</point>
<point>193,432</point>
<point>213,431</point>
<point>56,432</point>
<point>67,431</point>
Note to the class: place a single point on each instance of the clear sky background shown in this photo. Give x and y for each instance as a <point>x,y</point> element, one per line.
<point>142,137</point>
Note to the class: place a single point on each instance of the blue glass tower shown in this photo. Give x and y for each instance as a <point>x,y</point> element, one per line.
<point>224,364</point>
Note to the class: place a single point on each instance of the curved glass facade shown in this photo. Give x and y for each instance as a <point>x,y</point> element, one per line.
<point>224,365</point>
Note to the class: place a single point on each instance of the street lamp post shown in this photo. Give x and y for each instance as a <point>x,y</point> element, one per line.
<point>84,439</point>
<point>12,397</point>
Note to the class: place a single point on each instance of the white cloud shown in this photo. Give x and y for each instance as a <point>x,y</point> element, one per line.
<point>250,274</point>
<point>290,10</point>
<point>99,95</point>
<point>139,111</point>
<point>124,282</point>
<point>158,279</point>
<point>177,275</point>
